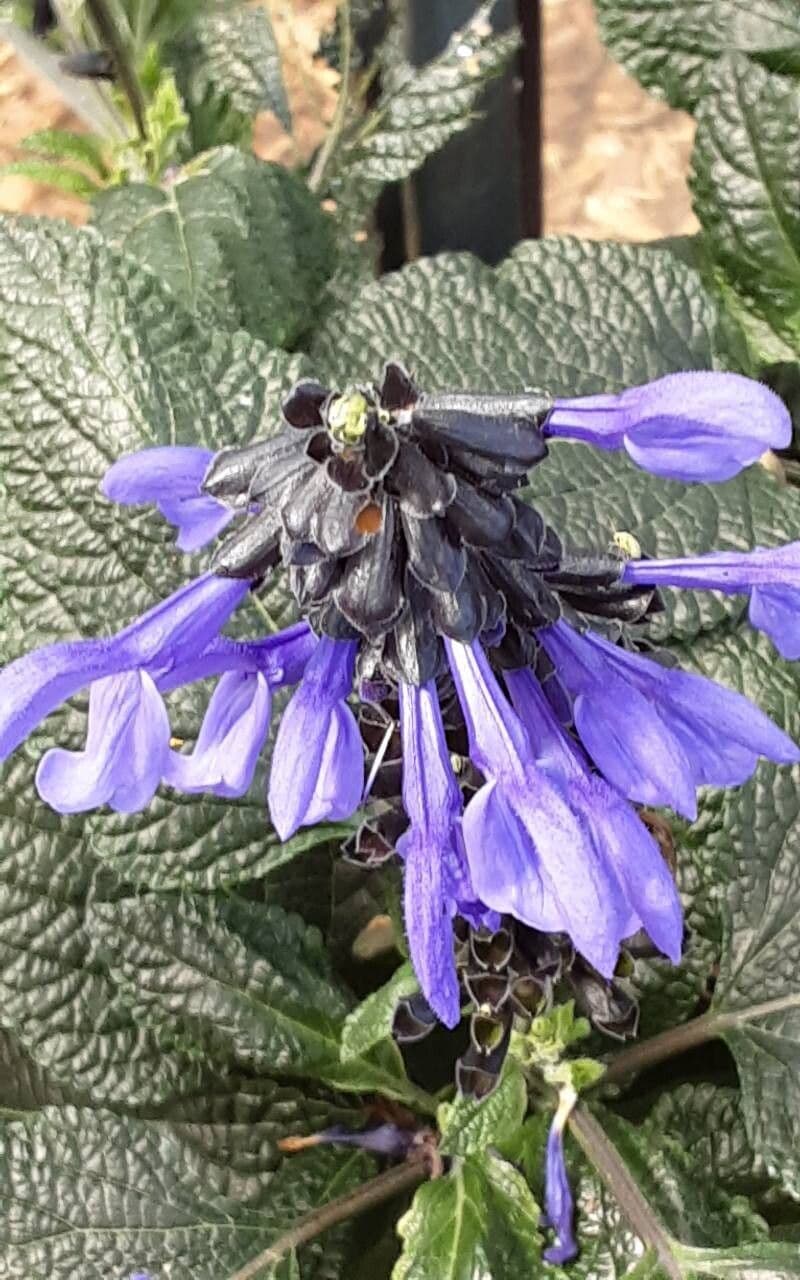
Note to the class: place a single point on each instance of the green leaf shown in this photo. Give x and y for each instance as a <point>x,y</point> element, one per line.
<point>708,1120</point>
<point>420,108</point>
<point>241,243</point>
<point>246,978</point>
<point>660,1188</point>
<point>571,316</point>
<point>287,1269</point>
<point>674,46</point>
<point>480,1221</point>
<point>371,1021</point>
<point>746,183</point>
<point>751,838</point>
<point>771,1260</point>
<point>63,144</point>
<point>94,1195</point>
<point>469,1126</point>
<point>236,54</point>
<point>73,181</point>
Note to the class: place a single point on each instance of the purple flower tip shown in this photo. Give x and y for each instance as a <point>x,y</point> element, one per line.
<point>170,478</point>
<point>317,770</point>
<point>385,1140</point>
<point>559,1205</point>
<point>685,426</point>
<point>771,576</point>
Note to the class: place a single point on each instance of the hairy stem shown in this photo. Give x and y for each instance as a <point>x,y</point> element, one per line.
<point>665,1045</point>
<point>613,1171</point>
<point>107,31</point>
<point>387,1185</point>
<point>337,124</point>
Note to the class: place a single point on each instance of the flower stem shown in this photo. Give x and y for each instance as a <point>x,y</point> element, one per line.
<point>384,1187</point>
<point>107,30</point>
<point>337,124</point>
<point>613,1171</point>
<point>665,1045</point>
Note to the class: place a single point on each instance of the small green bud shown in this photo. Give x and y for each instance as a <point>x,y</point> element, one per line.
<point>347,418</point>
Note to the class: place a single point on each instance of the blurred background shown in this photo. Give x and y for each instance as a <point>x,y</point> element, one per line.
<point>612,159</point>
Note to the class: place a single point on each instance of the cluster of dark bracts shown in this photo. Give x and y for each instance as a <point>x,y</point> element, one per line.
<point>509,717</point>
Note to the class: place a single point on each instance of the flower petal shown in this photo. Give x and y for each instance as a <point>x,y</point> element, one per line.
<point>170,477</point>
<point>685,426</point>
<point>559,1206</point>
<point>126,746</point>
<point>317,768</point>
<point>775,610</point>
<point>230,741</point>
<point>180,627</point>
<point>428,919</point>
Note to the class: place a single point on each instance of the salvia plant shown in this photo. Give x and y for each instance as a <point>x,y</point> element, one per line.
<point>400,857</point>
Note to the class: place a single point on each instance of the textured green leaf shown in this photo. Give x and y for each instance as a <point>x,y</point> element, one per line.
<point>93,1195</point>
<point>469,1126</point>
<point>674,46</point>
<point>771,1260</point>
<point>421,108</point>
<point>746,183</point>
<point>751,841</point>
<point>371,1021</point>
<point>237,55</point>
<point>682,1204</point>
<point>51,174</point>
<point>708,1120</point>
<point>64,144</point>
<point>241,243</point>
<point>246,978</point>
<point>480,1222</point>
<point>97,359</point>
<point>571,316</point>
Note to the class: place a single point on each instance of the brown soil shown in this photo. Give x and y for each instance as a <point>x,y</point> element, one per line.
<point>614,159</point>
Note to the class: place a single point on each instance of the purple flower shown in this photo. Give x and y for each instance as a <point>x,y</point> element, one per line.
<point>170,477</point>
<point>435,865</point>
<point>559,1206</point>
<point>771,576</point>
<point>530,854</point>
<point>655,732</point>
<point>685,426</point>
<point>616,830</point>
<point>231,737</point>
<point>384,1140</point>
<point>127,745</point>
<point>317,770</point>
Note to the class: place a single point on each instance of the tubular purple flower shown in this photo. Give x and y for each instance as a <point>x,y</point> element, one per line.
<point>317,769</point>
<point>529,853</point>
<point>170,477</point>
<point>127,743</point>
<point>559,1205</point>
<point>435,869</point>
<point>32,686</point>
<point>770,575</point>
<point>685,426</point>
<point>384,1140</point>
<point>618,833</point>
<point>657,733</point>
<point>231,738</point>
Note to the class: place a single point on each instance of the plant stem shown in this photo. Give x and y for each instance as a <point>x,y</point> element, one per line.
<point>387,1185</point>
<point>613,1171</point>
<point>337,124</point>
<point>665,1045</point>
<point>107,30</point>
